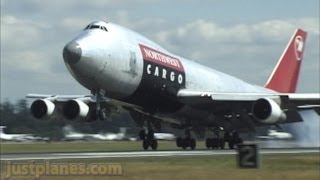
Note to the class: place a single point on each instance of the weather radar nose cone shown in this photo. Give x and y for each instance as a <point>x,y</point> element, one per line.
<point>72,53</point>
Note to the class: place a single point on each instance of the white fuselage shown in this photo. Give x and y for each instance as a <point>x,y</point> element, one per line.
<point>135,70</point>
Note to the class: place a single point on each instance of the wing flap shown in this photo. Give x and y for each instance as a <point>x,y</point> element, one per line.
<point>59,97</point>
<point>223,104</point>
<point>191,97</point>
<point>89,99</point>
<point>182,94</point>
<point>304,98</point>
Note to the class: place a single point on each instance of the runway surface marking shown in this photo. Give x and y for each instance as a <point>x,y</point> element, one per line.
<point>92,155</point>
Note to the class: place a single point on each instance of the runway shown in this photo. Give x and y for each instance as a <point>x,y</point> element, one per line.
<point>93,155</point>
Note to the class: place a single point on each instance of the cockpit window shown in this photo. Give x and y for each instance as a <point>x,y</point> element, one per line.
<point>93,26</point>
<point>104,28</point>
<point>87,27</point>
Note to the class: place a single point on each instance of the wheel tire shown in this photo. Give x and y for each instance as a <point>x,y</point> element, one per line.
<point>222,143</point>
<point>145,144</point>
<point>179,142</point>
<point>184,144</point>
<point>193,144</point>
<point>209,143</point>
<point>142,134</point>
<point>154,144</point>
<point>215,143</point>
<point>231,144</point>
<point>238,141</point>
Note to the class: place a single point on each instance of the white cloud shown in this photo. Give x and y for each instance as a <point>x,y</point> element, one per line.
<point>203,35</point>
<point>251,46</point>
<point>34,32</point>
<point>28,61</point>
<point>208,31</point>
<point>20,34</point>
<point>74,23</point>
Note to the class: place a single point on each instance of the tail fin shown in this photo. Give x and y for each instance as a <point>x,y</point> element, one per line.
<point>285,75</point>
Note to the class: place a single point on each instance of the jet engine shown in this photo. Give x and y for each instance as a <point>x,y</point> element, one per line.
<point>75,108</point>
<point>268,111</point>
<point>42,108</point>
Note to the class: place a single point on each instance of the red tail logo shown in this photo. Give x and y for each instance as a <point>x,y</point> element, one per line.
<point>284,77</point>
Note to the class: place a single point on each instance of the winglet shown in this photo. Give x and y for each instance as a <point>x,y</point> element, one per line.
<point>285,75</point>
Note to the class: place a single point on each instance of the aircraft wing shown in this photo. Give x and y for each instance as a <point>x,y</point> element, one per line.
<point>57,103</point>
<point>244,105</point>
<point>303,100</point>
<point>60,98</point>
<point>89,99</point>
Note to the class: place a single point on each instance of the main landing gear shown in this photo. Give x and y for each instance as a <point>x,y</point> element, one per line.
<point>233,139</point>
<point>148,139</point>
<point>218,142</point>
<point>186,142</point>
<point>215,142</point>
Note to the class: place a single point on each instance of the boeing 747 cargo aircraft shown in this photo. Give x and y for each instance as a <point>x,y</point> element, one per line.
<point>126,71</point>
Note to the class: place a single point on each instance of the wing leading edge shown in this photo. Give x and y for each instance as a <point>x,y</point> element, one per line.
<point>267,108</point>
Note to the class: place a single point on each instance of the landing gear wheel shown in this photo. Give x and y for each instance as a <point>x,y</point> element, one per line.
<point>179,142</point>
<point>231,144</point>
<point>218,141</point>
<point>215,143</point>
<point>145,144</point>
<point>238,141</point>
<point>142,134</point>
<point>154,144</point>
<point>186,142</point>
<point>222,143</point>
<point>184,145</point>
<point>234,140</point>
<point>148,139</point>
<point>208,143</point>
<point>193,144</point>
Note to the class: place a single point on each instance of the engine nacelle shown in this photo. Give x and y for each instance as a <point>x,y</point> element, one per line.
<point>75,108</point>
<point>267,111</point>
<point>42,108</point>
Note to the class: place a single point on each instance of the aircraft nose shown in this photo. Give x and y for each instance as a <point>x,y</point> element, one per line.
<point>72,52</point>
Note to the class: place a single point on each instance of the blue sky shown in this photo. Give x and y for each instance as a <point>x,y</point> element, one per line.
<point>243,38</point>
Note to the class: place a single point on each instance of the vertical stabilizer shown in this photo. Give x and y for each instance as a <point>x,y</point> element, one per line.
<point>285,75</point>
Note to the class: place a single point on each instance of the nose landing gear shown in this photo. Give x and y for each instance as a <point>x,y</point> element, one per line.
<point>100,112</point>
<point>148,139</point>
